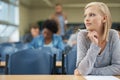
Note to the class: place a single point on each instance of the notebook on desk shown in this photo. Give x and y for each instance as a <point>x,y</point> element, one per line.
<point>101,78</point>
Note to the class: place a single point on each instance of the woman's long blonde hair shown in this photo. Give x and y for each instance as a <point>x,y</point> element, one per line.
<point>102,7</point>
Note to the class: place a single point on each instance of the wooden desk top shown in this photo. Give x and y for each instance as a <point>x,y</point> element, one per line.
<point>58,63</point>
<point>118,77</point>
<point>40,77</point>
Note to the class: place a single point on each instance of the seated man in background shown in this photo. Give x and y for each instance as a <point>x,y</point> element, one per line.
<point>72,41</point>
<point>49,38</point>
<point>33,32</point>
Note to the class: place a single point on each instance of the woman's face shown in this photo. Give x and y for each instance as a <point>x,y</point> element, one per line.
<point>93,19</point>
<point>47,33</point>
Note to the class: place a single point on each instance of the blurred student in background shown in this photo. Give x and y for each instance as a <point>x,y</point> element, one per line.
<point>33,32</point>
<point>61,19</point>
<point>72,41</point>
<point>49,38</point>
<point>98,50</point>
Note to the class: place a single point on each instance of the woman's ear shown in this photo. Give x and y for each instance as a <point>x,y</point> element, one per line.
<point>104,19</point>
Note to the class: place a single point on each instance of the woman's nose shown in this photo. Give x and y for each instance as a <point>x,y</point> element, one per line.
<point>86,18</point>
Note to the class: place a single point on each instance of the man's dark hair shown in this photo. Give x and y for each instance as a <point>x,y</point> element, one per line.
<point>34,26</point>
<point>51,25</point>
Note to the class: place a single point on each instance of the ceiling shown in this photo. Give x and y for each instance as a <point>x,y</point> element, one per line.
<point>66,3</point>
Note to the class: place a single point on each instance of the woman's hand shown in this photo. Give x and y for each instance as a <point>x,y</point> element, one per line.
<point>93,36</point>
<point>76,72</point>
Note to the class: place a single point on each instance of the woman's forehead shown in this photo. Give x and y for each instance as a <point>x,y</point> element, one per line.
<point>92,9</point>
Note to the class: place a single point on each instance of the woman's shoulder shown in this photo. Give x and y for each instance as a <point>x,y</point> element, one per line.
<point>113,35</point>
<point>113,31</point>
<point>56,36</point>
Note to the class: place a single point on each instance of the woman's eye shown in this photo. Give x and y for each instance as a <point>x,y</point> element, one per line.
<point>92,14</point>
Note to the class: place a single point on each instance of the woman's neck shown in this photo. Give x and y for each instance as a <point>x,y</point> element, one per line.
<point>101,41</point>
<point>100,35</point>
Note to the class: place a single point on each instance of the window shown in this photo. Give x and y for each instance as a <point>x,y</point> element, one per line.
<point>9,18</point>
<point>8,31</point>
<point>3,11</point>
<point>14,2</point>
<point>2,28</point>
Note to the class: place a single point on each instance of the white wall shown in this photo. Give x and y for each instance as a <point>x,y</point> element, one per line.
<point>39,14</point>
<point>24,19</point>
<point>115,12</point>
<point>74,14</point>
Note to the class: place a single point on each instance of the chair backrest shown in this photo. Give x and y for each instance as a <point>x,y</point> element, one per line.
<point>31,61</point>
<point>21,46</point>
<point>6,50</point>
<point>53,51</point>
<point>6,44</point>
<point>70,61</point>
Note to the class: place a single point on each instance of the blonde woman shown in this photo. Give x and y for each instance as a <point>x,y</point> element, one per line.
<point>98,47</point>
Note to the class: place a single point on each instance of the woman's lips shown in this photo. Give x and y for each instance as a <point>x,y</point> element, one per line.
<point>88,24</point>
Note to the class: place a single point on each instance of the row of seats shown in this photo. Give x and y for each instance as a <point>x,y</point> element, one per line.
<point>10,48</point>
<point>70,60</point>
<point>31,61</point>
<point>39,61</point>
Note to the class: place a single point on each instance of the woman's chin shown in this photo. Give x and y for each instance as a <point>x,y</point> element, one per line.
<point>89,29</point>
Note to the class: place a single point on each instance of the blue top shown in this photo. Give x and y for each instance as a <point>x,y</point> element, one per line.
<point>89,62</point>
<point>56,42</point>
<point>62,24</point>
<point>48,45</point>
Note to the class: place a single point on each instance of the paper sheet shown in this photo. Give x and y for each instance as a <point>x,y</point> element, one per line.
<point>101,78</point>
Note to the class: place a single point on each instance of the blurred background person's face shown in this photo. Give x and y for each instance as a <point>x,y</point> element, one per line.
<point>35,32</point>
<point>47,33</point>
<point>58,9</point>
